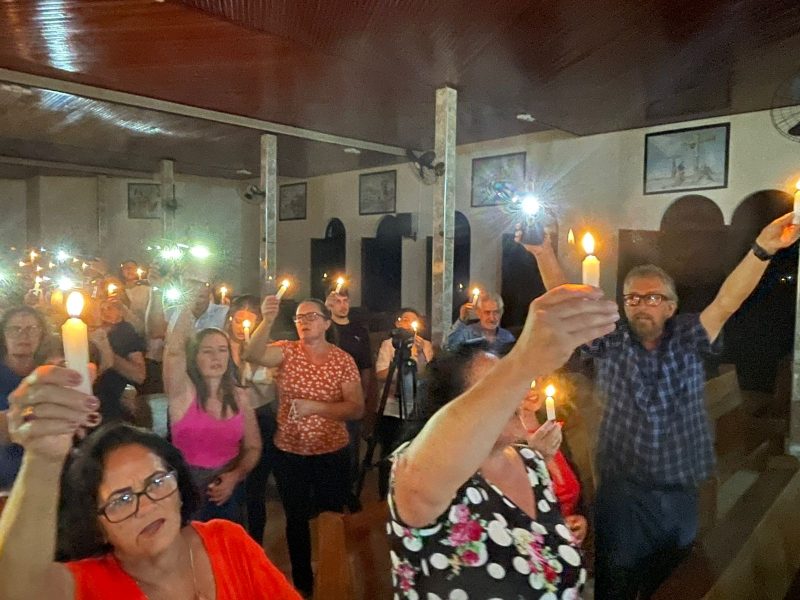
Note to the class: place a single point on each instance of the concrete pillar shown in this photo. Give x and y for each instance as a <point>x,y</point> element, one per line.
<point>167,178</point>
<point>793,443</point>
<point>269,238</point>
<point>33,212</point>
<point>444,210</point>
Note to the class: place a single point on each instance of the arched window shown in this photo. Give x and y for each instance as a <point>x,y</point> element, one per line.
<point>328,258</point>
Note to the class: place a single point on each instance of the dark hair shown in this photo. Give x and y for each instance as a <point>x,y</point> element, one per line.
<point>447,374</point>
<point>44,349</point>
<point>79,532</point>
<point>324,310</point>
<point>247,302</point>
<point>403,311</point>
<point>229,378</point>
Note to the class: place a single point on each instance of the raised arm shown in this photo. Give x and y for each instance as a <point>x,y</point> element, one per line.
<point>779,234</point>
<point>549,267</point>
<point>176,380</point>
<point>259,351</point>
<point>155,321</point>
<point>457,439</point>
<point>28,524</point>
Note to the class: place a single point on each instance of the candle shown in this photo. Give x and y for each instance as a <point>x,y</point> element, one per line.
<point>139,273</point>
<point>339,284</point>
<point>549,403</point>
<point>76,341</point>
<point>591,265</point>
<point>222,293</point>
<point>796,219</point>
<point>37,286</point>
<point>476,292</point>
<point>112,289</point>
<point>415,327</point>
<point>282,289</point>
<point>571,238</point>
<point>33,255</point>
<point>57,298</point>
<point>246,325</point>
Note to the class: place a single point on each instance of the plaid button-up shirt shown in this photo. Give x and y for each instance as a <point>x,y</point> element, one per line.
<point>655,427</point>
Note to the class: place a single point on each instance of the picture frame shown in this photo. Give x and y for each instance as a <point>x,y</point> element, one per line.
<point>292,202</point>
<point>495,179</point>
<point>144,201</point>
<point>377,193</point>
<point>683,160</point>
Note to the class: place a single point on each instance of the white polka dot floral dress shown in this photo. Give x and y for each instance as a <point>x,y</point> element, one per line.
<point>485,547</point>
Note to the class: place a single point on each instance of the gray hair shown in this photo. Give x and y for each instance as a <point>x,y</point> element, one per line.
<point>492,297</point>
<point>650,270</point>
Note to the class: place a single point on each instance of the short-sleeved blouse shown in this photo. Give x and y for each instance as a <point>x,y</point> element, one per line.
<point>486,547</point>
<point>300,379</point>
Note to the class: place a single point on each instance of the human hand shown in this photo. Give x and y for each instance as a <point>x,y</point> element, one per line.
<point>578,526</point>
<point>546,439</point>
<point>467,309</point>
<point>561,320</point>
<point>221,489</point>
<point>535,249</point>
<point>779,234</point>
<point>99,337</point>
<point>45,412</point>
<point>269,308</point>
<point>305,408</point>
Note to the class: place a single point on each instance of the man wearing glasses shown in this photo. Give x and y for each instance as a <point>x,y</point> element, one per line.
<point>654,446</point>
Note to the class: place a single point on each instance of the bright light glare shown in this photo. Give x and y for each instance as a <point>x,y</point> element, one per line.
<point>550,390</point>
<point>173,253</point>
<point>530,204</point>
<point>588,243</point>
<point>200,252</point>
<point>75,304</point>
<point>172,294</point>
<point>65,283</point>
<point>62,256</point>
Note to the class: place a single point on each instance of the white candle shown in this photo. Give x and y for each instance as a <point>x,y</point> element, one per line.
<point>415,326</point>
<point>76,341</point>
<point>591,264</point>
<point>339,284</point>
<point>796,219</point>
<point>112,289</point>
<point>476,293</point>
<point>246,325</point>
<point>549,403</point>
<point>222,291</point>
<point>282,289</point>
<point>139,273</point>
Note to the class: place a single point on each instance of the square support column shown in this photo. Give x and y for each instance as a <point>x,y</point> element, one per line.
<point>167,180</point>
<point>269,237</point>
<point>444,211</point>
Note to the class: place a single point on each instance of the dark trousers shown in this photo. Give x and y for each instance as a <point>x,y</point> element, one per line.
<point>230,510</point>
<point>354,453</point>
<point>388,434</point>
<point>309,485</point>
<point>642,534</point>
<point>256,482</point>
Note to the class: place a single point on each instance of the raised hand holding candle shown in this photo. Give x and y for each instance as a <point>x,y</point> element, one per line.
<point>282,290</point>
<point>223,291</point>
<point>75,337</point>
<point>591,264</point>
<point>549,403</point>
<point>476,293</point>
<point>339,285</point>
<point>796,219</point>
<point>246,325</point>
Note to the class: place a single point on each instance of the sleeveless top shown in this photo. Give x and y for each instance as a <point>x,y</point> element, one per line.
<point>485,546</point>
<point>206,441</point>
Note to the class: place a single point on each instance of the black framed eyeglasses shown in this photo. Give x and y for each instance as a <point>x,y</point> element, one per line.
<point>123,505</point>
<point>649,299</point>
<point>308,317</point>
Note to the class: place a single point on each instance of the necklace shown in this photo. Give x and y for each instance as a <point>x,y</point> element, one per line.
<point>197,595</point>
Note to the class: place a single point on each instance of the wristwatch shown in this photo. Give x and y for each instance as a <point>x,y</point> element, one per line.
<point>760,253</point>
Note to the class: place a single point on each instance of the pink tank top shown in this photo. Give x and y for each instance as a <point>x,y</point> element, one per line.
<point>205,441</point>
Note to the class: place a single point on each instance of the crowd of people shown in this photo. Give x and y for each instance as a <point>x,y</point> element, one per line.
<point>484,501</point>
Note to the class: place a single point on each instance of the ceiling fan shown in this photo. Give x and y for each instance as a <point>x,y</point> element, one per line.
<point>785,111</point>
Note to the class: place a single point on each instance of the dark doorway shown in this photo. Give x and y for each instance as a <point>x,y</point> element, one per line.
<point>328,258</point>
<point>381,267</point>
<point>462,255</point>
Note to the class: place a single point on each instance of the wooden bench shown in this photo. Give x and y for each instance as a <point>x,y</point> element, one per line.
<point>353,560</point>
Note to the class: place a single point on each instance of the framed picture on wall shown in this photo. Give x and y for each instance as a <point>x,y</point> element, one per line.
<point>292,202</point>
<point>377,193</point>
<point>495,179</point>
<point>689,159</point>
<point>144,201</point>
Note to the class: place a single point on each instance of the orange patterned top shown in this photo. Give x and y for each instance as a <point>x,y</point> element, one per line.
<point>300,379</point>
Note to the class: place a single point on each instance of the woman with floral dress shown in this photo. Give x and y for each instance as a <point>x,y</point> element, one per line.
<point>474,516</point>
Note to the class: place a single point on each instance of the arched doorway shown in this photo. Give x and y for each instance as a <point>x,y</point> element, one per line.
<point>328,258</point>
<point>381,267</point>
<point>462,255</point>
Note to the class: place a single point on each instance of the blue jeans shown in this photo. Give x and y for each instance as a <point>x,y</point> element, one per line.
<point>232,510</point>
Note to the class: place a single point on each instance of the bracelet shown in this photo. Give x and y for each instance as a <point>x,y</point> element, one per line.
<point>760,253</point>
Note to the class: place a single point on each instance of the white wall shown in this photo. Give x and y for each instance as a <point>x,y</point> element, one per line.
<point>12,212</point>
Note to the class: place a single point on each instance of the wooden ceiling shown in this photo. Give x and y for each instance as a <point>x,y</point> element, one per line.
<point>368,69</point>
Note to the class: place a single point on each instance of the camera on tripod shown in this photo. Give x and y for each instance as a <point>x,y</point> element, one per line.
<point>402,338</point>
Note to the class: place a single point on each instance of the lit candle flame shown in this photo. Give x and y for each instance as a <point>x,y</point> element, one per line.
<point>415,326</point>
<point>533,384</point>
<point>571,237</point>
<point>797,185</point>
<point>550,390</point>
<point>588,243</point>
<point>282,290</point>
<point>339,284</point>
<point>112,288</point>
<point>33,255</point>
<point>139,272</point>
<point>246,324</point>
<point>476,292</point>
<point>75,304</point>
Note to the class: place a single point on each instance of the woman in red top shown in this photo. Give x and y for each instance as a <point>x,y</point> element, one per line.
<point>319,389</point>
<point>127,500</point>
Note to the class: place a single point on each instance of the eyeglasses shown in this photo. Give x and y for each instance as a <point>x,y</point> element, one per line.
<point>649,299</point>
<point>126,504</point>
<point>16,331</point>
<point>308,317</point>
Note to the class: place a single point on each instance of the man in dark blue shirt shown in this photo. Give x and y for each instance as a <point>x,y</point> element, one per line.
<point>655,446</point>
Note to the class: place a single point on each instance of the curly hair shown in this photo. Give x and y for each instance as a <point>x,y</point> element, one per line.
<point>79,532</point>
<point>229,378</point>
